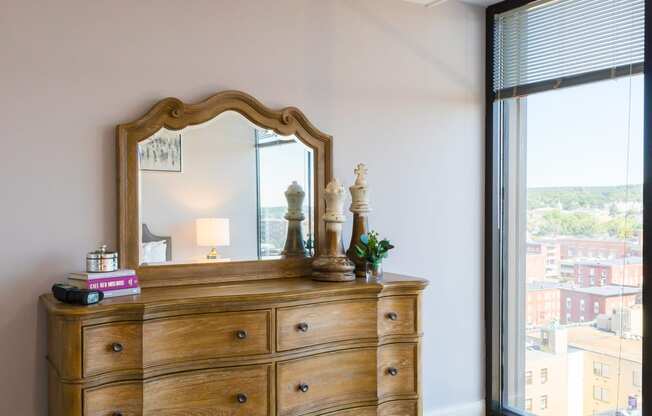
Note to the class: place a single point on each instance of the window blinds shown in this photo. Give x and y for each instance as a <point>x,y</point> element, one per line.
<point>551,44</point>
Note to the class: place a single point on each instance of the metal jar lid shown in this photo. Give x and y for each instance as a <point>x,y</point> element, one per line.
<point>102,254</point>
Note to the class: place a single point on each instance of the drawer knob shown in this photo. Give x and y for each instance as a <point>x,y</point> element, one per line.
<point>116,347</point>
<point>242,398</point>
<point>392,316</point>
<point>303,327</point>
<point>392,371</point>
<point>303,387</point>
<point>241,334</point>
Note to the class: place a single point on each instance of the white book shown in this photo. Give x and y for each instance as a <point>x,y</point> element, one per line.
<point>121,292</point>
<point>102,275</point>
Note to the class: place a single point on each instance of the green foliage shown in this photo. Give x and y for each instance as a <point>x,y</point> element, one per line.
<point>372,248</point>
<point>623,228</point>
<point>570,198</point>
<point>579,224</point>
<point>584,211</point>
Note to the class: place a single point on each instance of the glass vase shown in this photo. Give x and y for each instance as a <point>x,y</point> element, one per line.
<point>374,270</point>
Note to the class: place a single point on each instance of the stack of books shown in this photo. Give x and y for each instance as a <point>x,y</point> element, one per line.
<point>118,283</point>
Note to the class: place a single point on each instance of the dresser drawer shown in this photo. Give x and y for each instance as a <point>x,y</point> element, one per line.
<point>399,408</point>
<point>397,370</point>
<point>213,335</point>
<point>111,347</point>
<point>393,408</point>
<point>302,326</point>
<point>326,380</point>
<point>237,391</point>
<point>356,411</point>
<point>397,315</point>
<point>114,399</point>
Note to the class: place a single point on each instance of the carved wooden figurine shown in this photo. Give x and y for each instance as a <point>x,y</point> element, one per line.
<point>294,246</point>
<point>332,264</point>
<point>360,209</point>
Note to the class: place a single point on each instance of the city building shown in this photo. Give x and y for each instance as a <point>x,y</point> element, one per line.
<point>570,248</point>
<point>627,322</point>
<point>542,260</point>
<point>553,375</point>
<point>543,303</point>
<point>584,304</point>
<point>627,271</point>
<point>612,370</point>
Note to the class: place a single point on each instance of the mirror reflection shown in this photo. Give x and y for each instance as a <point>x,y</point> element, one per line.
<point>219,191</point>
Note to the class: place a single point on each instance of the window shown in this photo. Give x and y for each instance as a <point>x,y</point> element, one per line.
<point>565,144</point>
<point>280,161</point>
<point>528,405</point>
<point>600,393</point>
<point>637,378</point>
<point>544,375</point>
<point>600,369</point>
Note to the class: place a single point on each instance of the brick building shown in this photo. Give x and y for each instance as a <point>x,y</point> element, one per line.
<point>570,248</point>
<point>583,304</point>
<point>542,260</point>
<point>543,303</point>
<point>595,272</point>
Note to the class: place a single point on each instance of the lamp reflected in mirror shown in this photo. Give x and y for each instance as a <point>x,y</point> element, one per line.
<point>213,232</point>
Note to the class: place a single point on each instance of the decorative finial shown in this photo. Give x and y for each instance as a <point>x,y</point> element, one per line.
<point>331,264</point>
<point>295,196</point>
<point>360,191</point>
<point>294,245</point>
<point>361,172</point>
<point>334,195</point>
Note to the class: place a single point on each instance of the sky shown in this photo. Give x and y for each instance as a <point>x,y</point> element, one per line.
<point>279,166</point>
<point>579,136</point>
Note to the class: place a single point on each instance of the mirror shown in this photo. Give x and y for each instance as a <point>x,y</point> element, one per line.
<point>214,192</point>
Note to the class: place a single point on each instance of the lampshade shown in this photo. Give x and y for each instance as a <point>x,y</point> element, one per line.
<point>213,232</point>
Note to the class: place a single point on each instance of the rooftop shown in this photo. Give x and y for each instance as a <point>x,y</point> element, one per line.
<point>591,339</point>
<point>607,291</point>
<point>547,285</point>
<point>611,262</point>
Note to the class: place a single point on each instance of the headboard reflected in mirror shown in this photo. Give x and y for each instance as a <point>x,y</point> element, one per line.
<point>216,178</point>
<point>155,248</point>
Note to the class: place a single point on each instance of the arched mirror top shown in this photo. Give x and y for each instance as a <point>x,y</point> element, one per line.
<point>223,190</point>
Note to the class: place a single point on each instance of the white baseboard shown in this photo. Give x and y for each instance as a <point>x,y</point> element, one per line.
<point>466,409</point>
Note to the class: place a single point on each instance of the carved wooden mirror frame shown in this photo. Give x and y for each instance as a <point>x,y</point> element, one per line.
<point>173,114</point>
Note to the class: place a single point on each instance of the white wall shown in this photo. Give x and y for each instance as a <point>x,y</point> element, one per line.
<point>218,179</point>
<point>399,86</point>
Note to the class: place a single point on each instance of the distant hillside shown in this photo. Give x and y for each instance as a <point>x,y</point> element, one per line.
<point>583,197</point>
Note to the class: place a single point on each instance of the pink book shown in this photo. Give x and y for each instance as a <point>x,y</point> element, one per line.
<point>107,283</point>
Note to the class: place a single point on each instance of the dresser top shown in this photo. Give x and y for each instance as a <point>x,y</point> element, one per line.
<point>274,290</point>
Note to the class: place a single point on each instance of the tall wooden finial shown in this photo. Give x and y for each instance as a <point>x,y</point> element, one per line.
<point>294,246</point>
<point>360,209</point>
<point>332,264</point>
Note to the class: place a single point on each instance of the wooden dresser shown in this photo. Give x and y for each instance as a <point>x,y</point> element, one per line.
<point>281,347</point>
